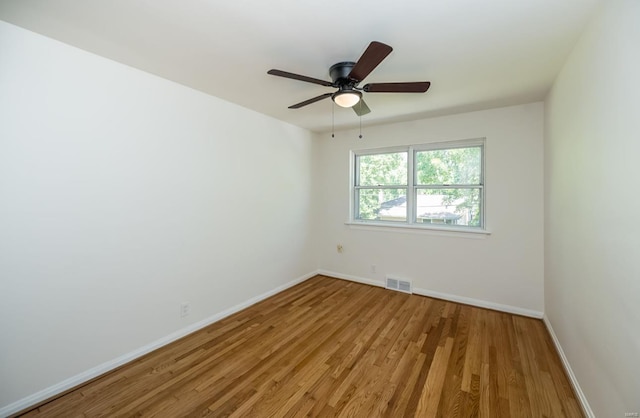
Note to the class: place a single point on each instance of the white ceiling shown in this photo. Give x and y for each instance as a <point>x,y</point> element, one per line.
<point>476,53</point>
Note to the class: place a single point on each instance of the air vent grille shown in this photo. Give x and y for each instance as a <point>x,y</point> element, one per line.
<point>398,284</point>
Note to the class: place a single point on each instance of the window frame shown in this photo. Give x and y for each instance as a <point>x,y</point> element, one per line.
<point>412,187</point>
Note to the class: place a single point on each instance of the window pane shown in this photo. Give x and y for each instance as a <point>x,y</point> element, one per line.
<point>383,169</point>
<point>382,204</point>
<point>449,166</point>
<point>448,207</point>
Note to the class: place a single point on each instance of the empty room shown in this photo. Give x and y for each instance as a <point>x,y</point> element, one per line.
<point>331,209</point>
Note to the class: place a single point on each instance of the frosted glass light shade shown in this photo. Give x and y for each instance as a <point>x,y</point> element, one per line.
<point>346,98</point>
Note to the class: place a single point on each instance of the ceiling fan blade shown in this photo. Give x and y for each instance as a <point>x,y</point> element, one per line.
<point>308,102</point>
<point>299,77</point>
<point>373,55</point>
<point>409,87</point>
<point>415,87</point>
<point>361,108</point>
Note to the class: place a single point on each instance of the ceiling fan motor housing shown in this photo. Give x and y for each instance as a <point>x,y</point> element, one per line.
<point>340,73</point>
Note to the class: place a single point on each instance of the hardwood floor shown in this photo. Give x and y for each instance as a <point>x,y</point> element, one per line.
<point>329,347</point>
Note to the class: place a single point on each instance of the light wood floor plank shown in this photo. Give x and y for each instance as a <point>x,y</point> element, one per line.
<point>328,348</point>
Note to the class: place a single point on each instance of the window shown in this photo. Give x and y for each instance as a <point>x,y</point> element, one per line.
<point>425,185</point>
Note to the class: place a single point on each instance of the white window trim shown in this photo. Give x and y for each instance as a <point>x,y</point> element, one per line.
<point>410,225</point>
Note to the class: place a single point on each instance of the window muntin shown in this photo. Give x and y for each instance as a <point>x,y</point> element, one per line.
<point>441,185</point>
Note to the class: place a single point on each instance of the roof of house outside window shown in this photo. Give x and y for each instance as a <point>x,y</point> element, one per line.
<point>429,207</point>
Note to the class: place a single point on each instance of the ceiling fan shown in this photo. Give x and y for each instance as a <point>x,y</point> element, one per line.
<point>347,75</point>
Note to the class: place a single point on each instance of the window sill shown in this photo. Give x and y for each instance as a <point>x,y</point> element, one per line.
<point>414,229</point>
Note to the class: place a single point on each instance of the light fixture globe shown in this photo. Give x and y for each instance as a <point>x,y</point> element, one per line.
<point>346,97</point>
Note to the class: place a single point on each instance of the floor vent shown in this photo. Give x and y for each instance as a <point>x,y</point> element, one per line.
<point>399,285</point>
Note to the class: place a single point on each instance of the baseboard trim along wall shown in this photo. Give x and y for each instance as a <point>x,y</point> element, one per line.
<point>479,303</point>
<point>586,408</point>
<point>108,366</point>
<point>351,278</point>
<point>445,296</point>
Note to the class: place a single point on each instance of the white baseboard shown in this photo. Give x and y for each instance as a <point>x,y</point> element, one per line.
<point>479,303</point>
<point>439,295</point>
<point>350,278</point>
<point>117,362</point>
<point>586,408</point>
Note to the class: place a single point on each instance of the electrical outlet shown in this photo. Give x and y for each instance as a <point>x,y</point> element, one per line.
<point>340,248</point>
<point>185,309</point>
<point>373,268</point>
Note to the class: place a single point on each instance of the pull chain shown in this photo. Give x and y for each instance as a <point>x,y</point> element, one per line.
<point>333,124</point>
<point>360,104</point>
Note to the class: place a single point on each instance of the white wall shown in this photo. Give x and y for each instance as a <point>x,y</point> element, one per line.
<point>123,195</point>
<point>592,202</point>
<point>504,268</point>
